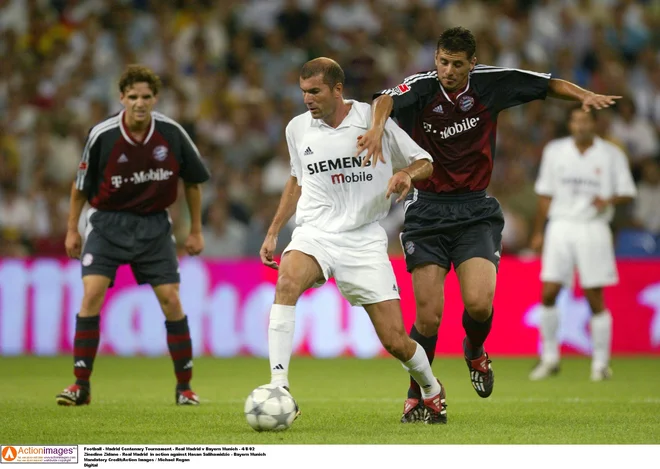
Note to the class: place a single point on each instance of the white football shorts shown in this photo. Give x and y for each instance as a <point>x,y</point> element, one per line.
<point>357,260</point>
<point>587,246</point>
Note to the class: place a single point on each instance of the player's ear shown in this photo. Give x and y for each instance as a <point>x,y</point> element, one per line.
<point>473,62</point>
<point>339,89</point>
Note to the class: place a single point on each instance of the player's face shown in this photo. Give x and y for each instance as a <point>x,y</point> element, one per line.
<point>582,126</point>
<point>138,100</point>
<point>453,68</point>
<point>318,97</point>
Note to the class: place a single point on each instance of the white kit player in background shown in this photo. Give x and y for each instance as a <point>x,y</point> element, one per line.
<point>581,178</point>
<point>338,205</point>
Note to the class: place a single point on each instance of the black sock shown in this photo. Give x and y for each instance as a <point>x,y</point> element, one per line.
<point>180,346</point>
<point>475,334</point>
<point>85,345</point>
<point>428,344</point>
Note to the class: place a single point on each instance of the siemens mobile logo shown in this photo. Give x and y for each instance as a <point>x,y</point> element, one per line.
<point>454,129</point>
<point>341,163</point>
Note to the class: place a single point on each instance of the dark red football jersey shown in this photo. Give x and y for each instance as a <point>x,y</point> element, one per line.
<point>460,133</point>
<point>119,174</point>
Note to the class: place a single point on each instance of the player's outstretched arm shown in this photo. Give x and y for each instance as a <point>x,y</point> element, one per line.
<point>401,182</point>
<point>563,89</point>
<point>285,211</point>
<point>371,141</point>
<point>195,241</point>
<point>73,241</point>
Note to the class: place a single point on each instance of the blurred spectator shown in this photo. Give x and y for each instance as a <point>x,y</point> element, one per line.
<point>647,203</point>
<point>223,236</point>
<point>635,132</point>
<point>231,75</point>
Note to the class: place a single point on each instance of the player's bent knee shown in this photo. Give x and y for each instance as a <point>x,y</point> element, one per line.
<point>170,303</point>
<point>287,290</point>
<point>95,288</point>
<point>397,346</point>
<point>479,307</point>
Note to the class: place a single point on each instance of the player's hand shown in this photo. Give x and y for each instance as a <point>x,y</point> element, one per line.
<point>400,183</point>
<point>194,243</point>
<point>598,101</point>
<point>72,244</point>
<point>372,142</point>
<point>536,243</point>
<point>600,204</point>
<point>267,250</point>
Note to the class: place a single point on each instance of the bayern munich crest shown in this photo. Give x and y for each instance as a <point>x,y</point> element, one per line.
<point>160,152</point>
<point>466,103</point>
<point>410,247</point>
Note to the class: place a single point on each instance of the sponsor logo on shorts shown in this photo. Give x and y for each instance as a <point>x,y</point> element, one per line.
<point>160,152</point>
<point>410,247</point>
<point>87,259</point>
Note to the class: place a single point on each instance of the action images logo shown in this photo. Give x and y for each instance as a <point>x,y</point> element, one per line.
<point>159,174</point>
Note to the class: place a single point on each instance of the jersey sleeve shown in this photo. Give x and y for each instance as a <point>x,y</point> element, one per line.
<point>403,149</point>
<point>193,169</point>
<point>407,95</point>
<point>510,87</point>
<point>294,158</point>
<point>89,163</point>
<point>545,180</point>
<point>624,185</point>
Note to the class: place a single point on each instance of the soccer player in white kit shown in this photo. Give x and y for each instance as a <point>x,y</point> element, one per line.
<point>581,178</point>
<point>338,205</point>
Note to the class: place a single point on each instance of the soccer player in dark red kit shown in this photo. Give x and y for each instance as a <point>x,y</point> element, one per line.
<point>451,112</point>
<point>129,174</point>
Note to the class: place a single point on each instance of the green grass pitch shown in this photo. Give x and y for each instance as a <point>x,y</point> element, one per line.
<point>345,401</point>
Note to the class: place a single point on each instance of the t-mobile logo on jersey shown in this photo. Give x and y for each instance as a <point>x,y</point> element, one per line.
<point>454,129</point>
<point>159,174</point>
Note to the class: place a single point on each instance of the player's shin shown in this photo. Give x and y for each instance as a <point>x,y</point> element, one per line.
<point>476,333</point>
<point>85,345</point>
<point>180,347</point>
<point>280,342</point>
<point>601,336</point>
<point>420,370</point>
<point>428,344</point>
<point>549,330</point>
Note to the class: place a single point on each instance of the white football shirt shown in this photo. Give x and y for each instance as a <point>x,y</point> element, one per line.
<point>573,179</point>
<point>337,193</point>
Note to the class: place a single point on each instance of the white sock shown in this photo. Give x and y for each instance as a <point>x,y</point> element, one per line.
<point>280,342</point>
<point>601,337</point>
<point>549,332</point>
<point>420,369</point>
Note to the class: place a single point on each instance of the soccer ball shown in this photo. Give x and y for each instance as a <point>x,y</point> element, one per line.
<point>270,408</point>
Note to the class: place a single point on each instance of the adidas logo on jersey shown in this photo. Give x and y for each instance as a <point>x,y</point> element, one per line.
<point>438,109</point>
<point>122,158</point>
<point>308,152</point>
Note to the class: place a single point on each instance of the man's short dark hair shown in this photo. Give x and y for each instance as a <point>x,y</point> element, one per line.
<point>458,39</point>
<point>330,70</point>
<point>139,74</point>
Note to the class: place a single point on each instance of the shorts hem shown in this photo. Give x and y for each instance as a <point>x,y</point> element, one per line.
<point>374,301</point>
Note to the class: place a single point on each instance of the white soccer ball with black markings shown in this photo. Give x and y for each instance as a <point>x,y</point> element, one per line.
<point>270,408</point>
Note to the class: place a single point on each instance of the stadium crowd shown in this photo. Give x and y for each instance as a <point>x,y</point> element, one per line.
<point>230,73</point>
